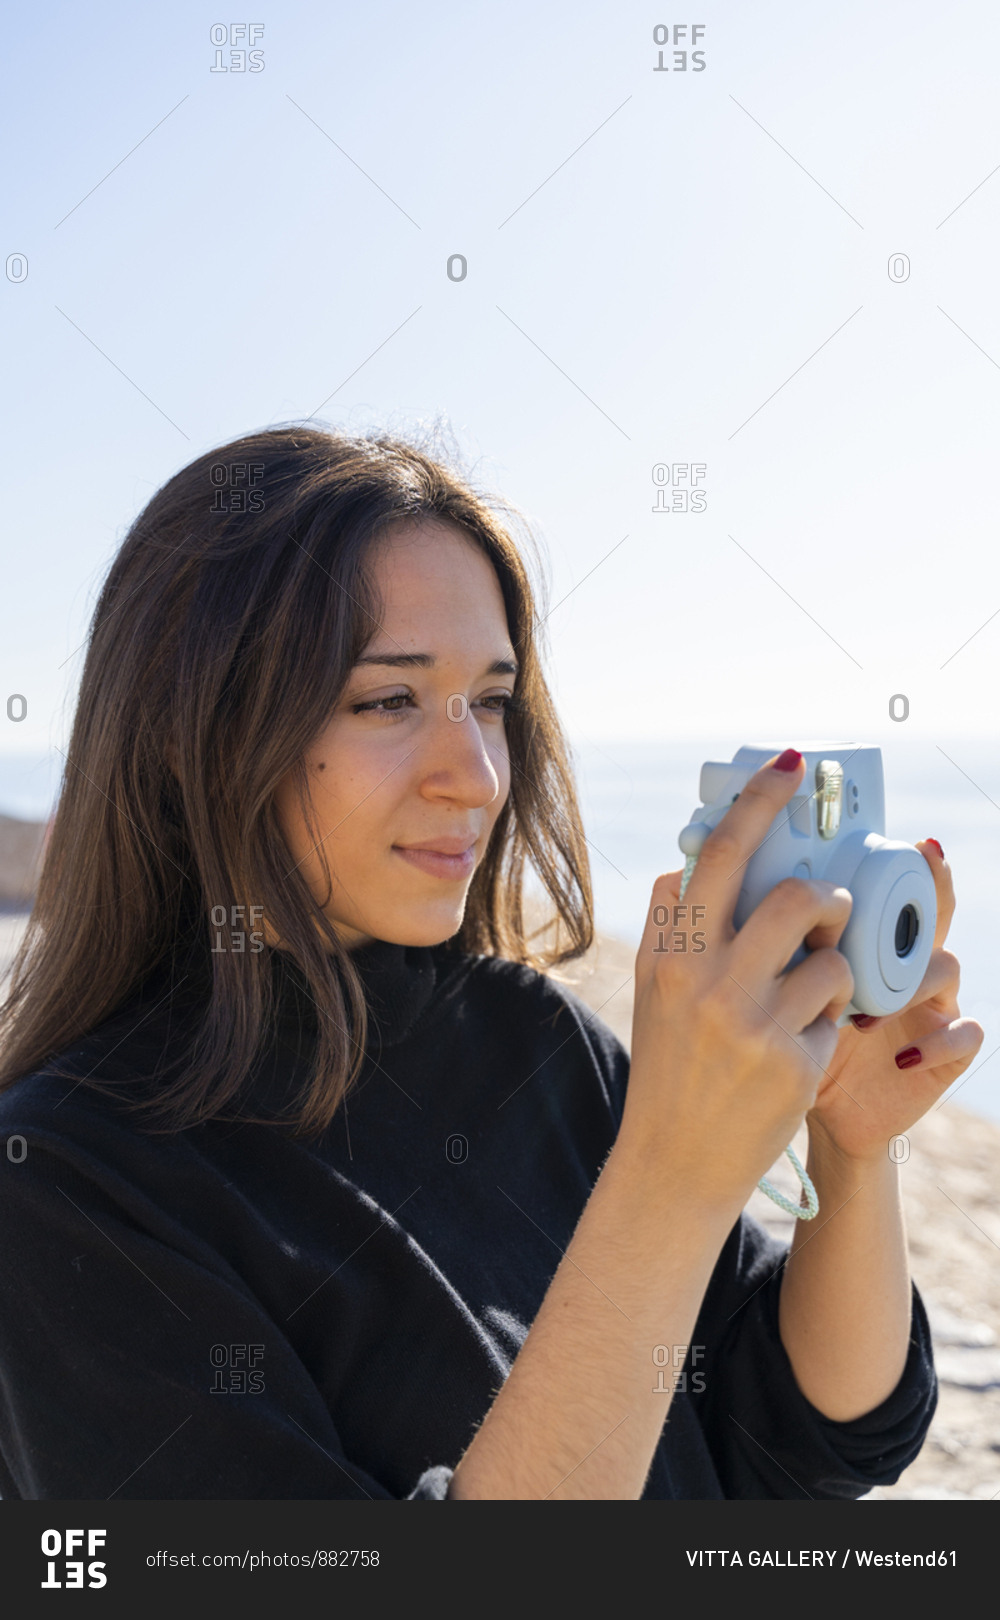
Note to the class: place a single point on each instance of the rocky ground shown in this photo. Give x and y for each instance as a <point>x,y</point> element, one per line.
<point>20,854</point>
<point>951,1192</point>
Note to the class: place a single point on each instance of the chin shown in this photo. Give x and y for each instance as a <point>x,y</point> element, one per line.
<point>427,926</point>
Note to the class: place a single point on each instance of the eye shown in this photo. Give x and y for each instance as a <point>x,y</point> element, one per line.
<point>499,702</point>
<point>387,705</point>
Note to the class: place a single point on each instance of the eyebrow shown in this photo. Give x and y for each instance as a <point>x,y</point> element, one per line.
<point>500,666</point>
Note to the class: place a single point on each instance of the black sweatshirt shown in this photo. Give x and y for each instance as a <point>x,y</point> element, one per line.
<point>229,1312</point>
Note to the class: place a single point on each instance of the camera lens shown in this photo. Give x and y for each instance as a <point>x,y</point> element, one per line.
<point>907,928</point>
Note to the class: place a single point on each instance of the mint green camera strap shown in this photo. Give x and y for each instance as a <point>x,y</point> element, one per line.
<point>811,1208</point>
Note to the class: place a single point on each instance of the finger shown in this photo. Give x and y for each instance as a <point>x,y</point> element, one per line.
<point>941,981</point>
<point>718,876</point>
<point>952,1046</point>
<point>796,908</point>
<point>820,1041</point>
<point>944,887</point>
<point>821,986</point>
<point>817,1038</point>
<point>663,909</point>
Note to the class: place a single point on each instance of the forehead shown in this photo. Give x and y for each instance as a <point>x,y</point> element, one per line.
<point>416,538</point>
<point>434,569</point>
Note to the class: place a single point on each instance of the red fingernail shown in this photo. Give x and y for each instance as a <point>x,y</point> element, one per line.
<point>863,1020</point>
<point>937,846</point>
<point>788,761</point>
<point>906,1059</point>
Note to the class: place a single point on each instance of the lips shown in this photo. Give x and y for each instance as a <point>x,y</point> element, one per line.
<point>454,844</point>
<point>450,858</point>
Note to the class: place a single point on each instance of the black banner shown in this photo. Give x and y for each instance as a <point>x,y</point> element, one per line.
<point>187,1557</point>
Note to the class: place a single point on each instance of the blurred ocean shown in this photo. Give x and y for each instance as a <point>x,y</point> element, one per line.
<point>29,784</point>
<point>636,797</point>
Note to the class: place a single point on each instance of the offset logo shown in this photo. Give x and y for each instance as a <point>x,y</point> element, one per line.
<point>64,1568</point>
<point>237,36</point>
<point>686,494</point>
<point>235,1370</point>
<point>680,39</point>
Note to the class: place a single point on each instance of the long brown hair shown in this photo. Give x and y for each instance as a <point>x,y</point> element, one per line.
<point>224,634</point>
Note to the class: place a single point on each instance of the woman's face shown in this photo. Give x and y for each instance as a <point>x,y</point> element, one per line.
<point>416,752</point>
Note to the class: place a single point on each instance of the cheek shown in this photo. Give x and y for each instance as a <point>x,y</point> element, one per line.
<point>288,811</point>
<point>349,804</point>
<point>505,771</point>
<point>304,824</point>
<point>336,796</point>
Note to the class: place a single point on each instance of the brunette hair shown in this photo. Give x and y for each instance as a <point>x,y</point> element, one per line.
<point>223,636</point>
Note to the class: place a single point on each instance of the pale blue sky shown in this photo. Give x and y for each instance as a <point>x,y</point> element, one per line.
<point>662,268</point>
<point>651,257</point>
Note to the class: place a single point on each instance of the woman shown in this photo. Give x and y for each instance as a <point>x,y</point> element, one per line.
<point>316,1186</point>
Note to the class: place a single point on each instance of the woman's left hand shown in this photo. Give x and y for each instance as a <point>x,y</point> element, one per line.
<point>865,1098</point>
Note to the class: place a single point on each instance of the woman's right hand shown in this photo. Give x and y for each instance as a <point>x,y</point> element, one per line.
<point>727,1050</point>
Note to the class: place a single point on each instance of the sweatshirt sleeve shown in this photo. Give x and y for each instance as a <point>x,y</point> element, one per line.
<point>766,1438</point>
<point>111,1341</point>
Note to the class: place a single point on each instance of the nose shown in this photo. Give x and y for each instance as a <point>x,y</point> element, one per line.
<point>459,762</point>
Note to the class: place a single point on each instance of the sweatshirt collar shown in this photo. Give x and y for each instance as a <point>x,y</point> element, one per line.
<point>398,981</point>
